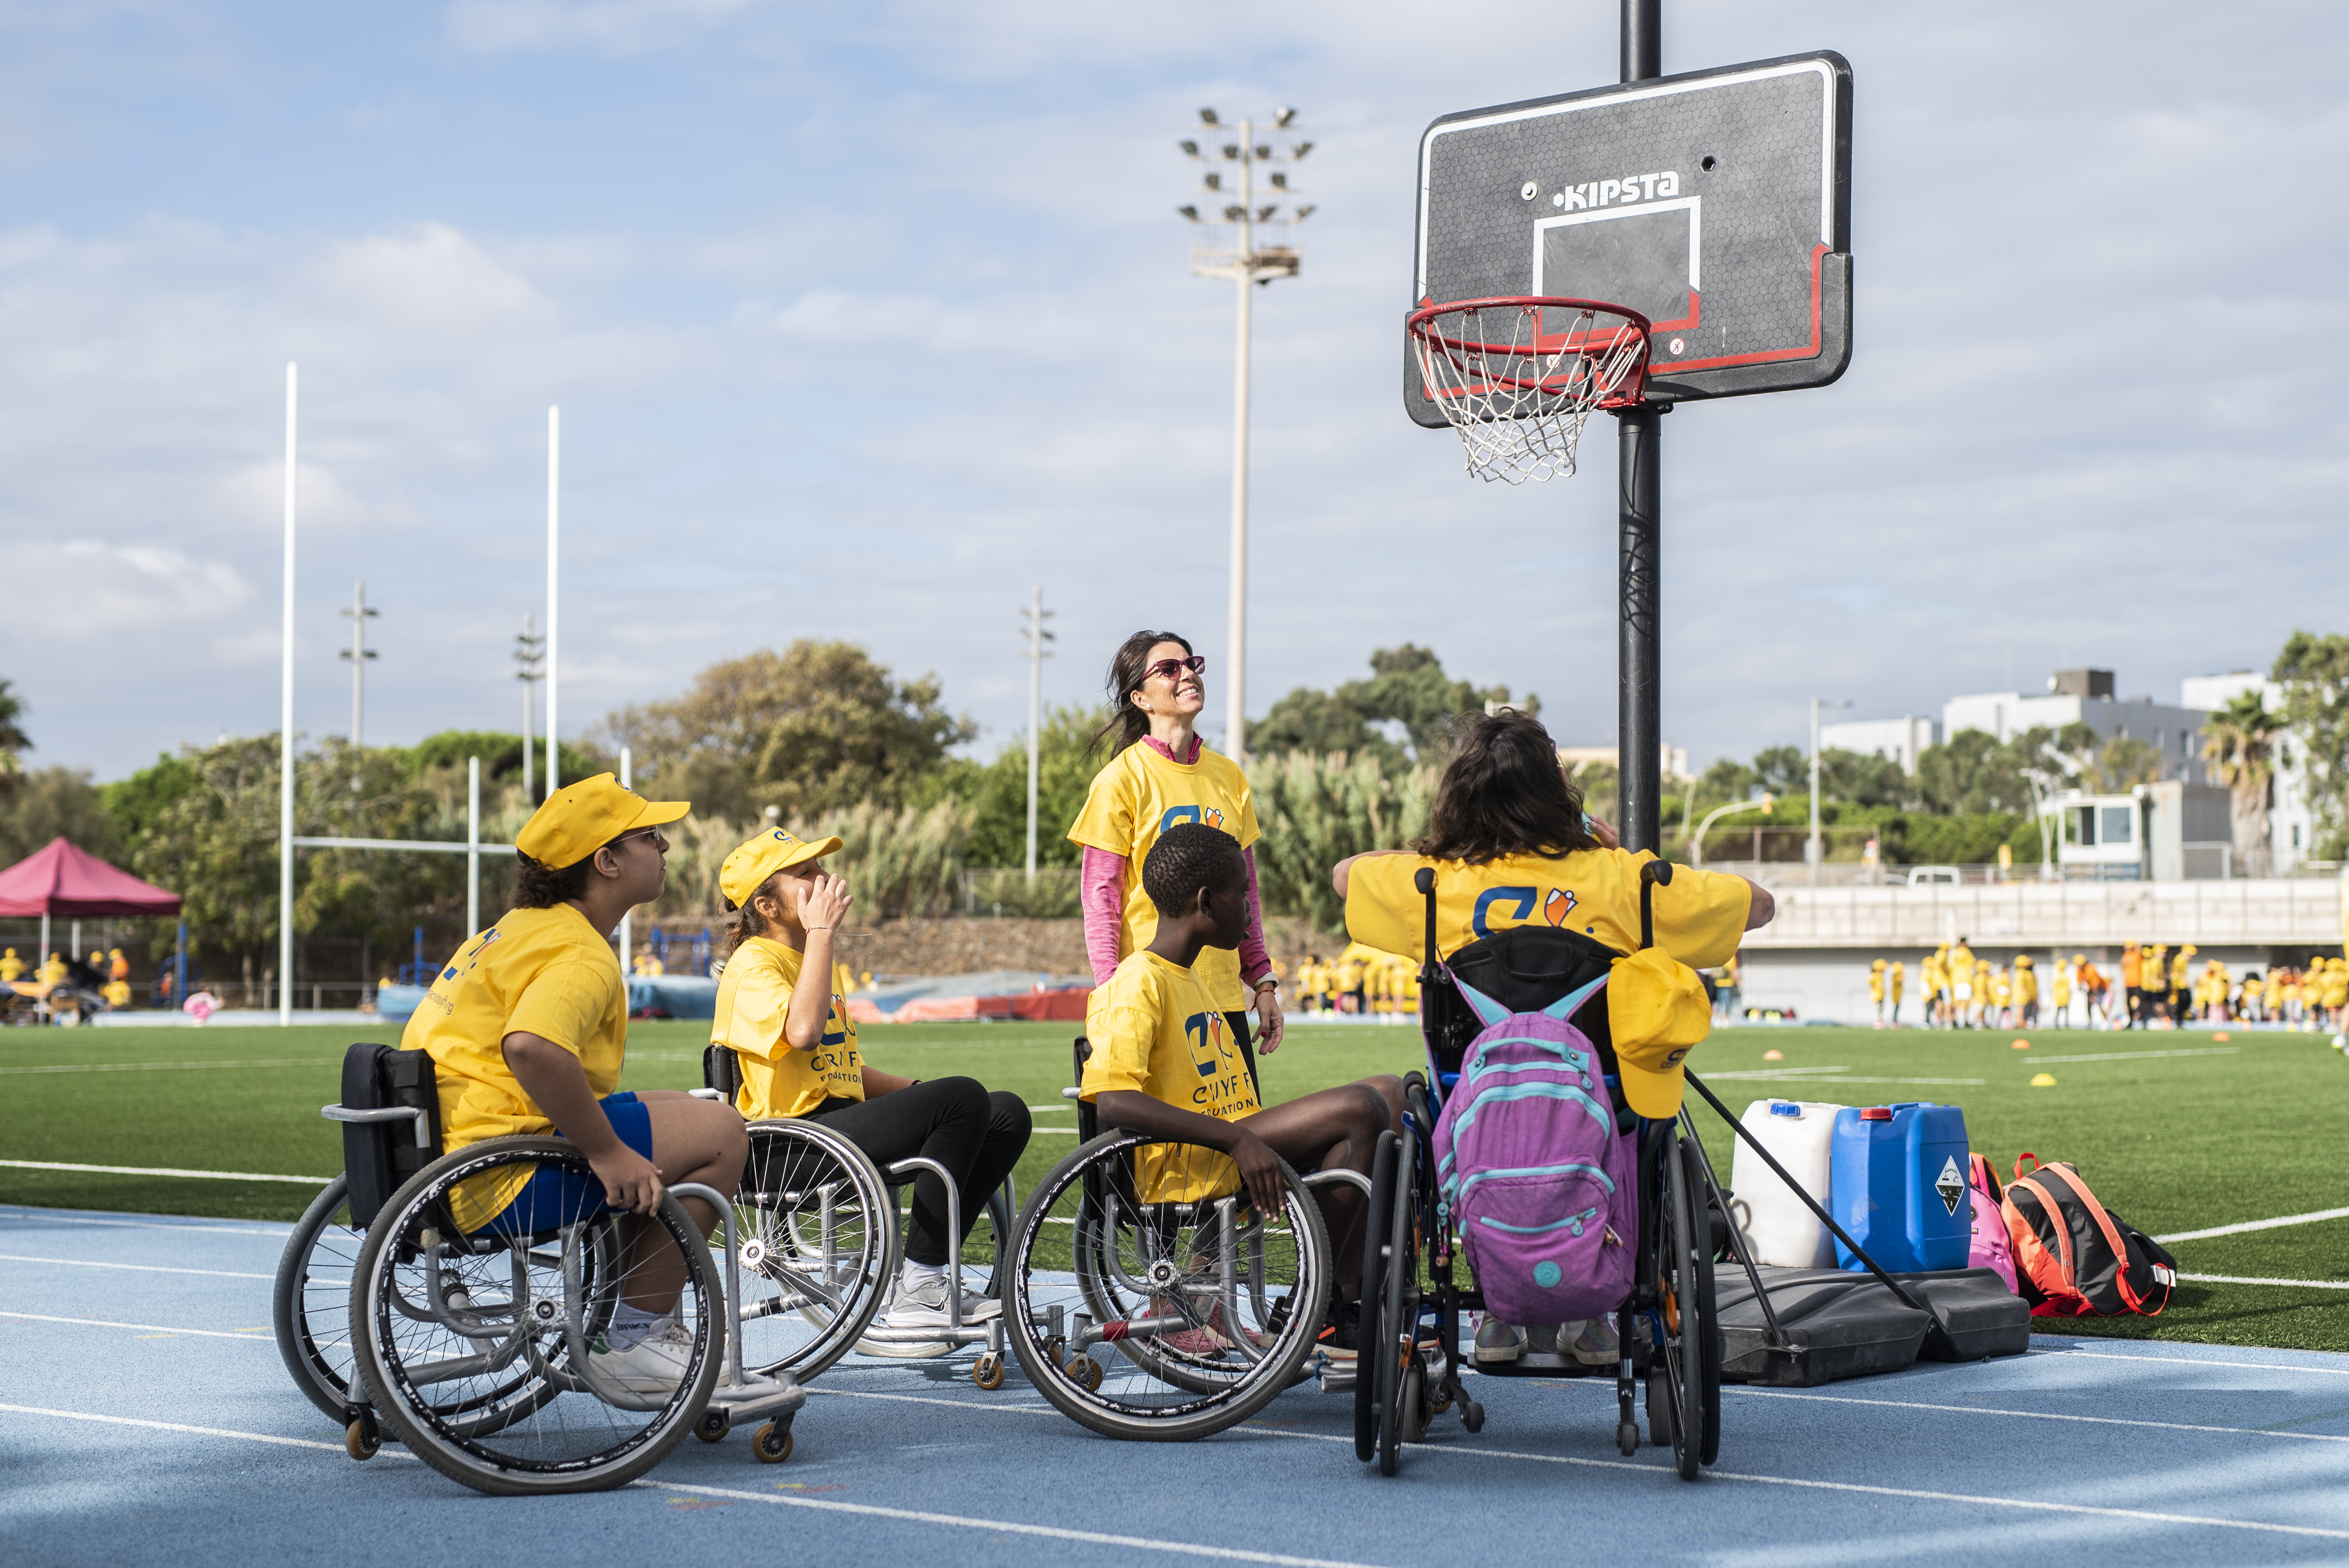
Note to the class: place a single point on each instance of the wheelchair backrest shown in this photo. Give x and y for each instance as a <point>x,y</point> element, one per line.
<point>1524,969</point>
<point>721,1070</point>
<point>1088,1119</point>
<point>379,1156</point>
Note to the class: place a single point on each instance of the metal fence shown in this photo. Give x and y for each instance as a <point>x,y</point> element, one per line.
<point>2276,911</point>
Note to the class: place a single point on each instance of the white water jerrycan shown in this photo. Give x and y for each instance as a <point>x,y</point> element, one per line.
<point>1781,1229</point>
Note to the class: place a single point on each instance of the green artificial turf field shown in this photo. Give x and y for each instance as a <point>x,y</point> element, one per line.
<point>2223,1133</point>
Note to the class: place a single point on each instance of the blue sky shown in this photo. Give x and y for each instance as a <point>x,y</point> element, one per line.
<point>864,320</point>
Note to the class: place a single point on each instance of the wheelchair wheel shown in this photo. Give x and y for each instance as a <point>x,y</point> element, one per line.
<point>1393,1349</point>
<point>1709,1341</point>
<point>479,1351</point>
<point>1692,1337</point>
<point>817,1245</point>
<point>1385,1172</point>
<point>310,1305</point>
<point>1144,1246</point>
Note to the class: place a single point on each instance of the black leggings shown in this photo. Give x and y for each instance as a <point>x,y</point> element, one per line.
<point>977,1135</point>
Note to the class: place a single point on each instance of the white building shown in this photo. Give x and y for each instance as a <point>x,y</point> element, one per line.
<point>2086,696</point>
<point>2292,822</point>
<point>1901,739</point>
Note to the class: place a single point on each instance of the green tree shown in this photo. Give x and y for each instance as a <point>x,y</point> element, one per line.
<point>2240,740</point>
<point>13,741</point>
<point>1315,811</point>
<point>2124,762</point>
<point>817,728</point>
<point>997,792</point>
<point>54,803</point>
<point>1783,769</point>
<point>1862,777</point>
<point>2314,673</point>
<point>1407,688</point>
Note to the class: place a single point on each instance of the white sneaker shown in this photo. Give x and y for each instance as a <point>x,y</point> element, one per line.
<point>925,1305</point>
<point>654,1365</point>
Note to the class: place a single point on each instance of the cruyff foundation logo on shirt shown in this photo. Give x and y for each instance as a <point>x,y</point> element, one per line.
<point>1213,1058</point>
<point>1211,816</point>
<point>472,955</point>
<point>1517,907</point>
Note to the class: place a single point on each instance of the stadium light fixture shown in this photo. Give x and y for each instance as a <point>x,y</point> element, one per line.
<point>1190,149</point>
<point>1245,259</point>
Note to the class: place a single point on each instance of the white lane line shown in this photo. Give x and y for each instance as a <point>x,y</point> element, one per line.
<point>1775,1073</point>
<point>927,1399</point>
<point>2155,1360</point>
<point>1007,1527</point>
<point>263,1338</point>
<point>2030,1415</point>
<point>2131,1055</point>
<point>197,1432</point>
<point>53,1217</point>
<point>143,1268</point>
<point>2255,1225</point>
<point>2250,1279</point>
<point>1917,1494</point>
<point>1827,1076</point>
<point>163,1170</point>
<point>168,1066</point>
<point>825,1505</point>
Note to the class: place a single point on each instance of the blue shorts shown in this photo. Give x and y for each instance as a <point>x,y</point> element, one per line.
<point>563,1195</point>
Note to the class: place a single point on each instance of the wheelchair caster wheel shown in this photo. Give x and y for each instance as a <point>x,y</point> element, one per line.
<point>1627,1437</point>
<point>771,1443</point>
<point>360,1440</point>
<point>1085,1372</point>
<point>987,1372</point>
<point>1472,1415</point>
<point>714,1425</point>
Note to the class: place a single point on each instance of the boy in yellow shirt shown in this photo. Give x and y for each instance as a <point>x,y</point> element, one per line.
<point>1164,1064</point>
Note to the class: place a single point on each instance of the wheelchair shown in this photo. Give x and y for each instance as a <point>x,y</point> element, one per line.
<point>1409,1368</point>
<point>821,1245</point>
<point>473,1343</point>
<point>1145,1296</point>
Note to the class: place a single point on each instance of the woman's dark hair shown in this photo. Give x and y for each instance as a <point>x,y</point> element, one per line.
<point>1503,794</point>
<point>1126,674</point>
<point>540,886</point>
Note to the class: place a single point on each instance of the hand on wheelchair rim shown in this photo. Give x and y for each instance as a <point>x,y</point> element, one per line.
<point>1259,1173</point>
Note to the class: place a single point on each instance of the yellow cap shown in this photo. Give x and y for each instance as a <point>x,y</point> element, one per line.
<point>580,819</point>
<point>2023,960</point>
<point>1656,1009</point>
<point>752,863</point>
<point>1877,964</point>
<point>2079,958</point>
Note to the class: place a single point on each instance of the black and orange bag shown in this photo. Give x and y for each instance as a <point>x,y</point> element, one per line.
<point>2075,1258</point>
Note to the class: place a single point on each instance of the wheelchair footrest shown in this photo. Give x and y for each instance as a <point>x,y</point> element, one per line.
<point>757,1396</point>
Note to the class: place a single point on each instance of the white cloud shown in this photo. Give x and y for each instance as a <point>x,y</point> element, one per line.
<point>606,26</point>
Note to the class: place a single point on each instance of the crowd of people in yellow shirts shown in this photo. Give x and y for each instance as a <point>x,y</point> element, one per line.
<point>1360,982</point>
<point>42,981</point>
<point>2157,988</point>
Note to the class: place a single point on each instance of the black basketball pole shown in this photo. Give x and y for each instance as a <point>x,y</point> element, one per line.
<point>1638,724</point>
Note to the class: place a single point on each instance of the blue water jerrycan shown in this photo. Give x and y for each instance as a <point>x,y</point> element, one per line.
<point>1897,1180</point>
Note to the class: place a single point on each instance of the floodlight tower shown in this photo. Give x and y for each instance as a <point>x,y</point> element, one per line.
<point>530,653</point>
<point>358,653</point>
<point>1036,636</point>
<point>1238,256</point>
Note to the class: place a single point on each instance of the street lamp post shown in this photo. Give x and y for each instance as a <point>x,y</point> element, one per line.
<point>1696,844</point>
<point>358,653</point>
<point>1035,615</point>
<point>531,655</point>
<point>1244,262</point>
<point>1811,849</point>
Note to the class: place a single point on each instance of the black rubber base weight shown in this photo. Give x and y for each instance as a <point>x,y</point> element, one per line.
<point>1842,1324</point>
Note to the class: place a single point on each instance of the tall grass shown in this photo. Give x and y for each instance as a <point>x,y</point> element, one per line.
<point>897,860</point>
<point>1315,811</point>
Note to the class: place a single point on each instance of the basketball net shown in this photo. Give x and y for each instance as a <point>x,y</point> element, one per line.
<point>1518,395</point>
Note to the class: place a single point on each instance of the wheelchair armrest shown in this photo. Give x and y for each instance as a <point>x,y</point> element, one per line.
<point>389,1113</point>
<point>708,1094</point>
<point>1071,1093</point>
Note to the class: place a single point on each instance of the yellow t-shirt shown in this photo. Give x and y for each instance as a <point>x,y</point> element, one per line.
<point>542,972</point>
<point>1700,916</point>
<point>1139,796</point>
<point>11,966</point>
<point>1900,978</point>
<point>117,993</point>
<point>1876,985</point>
<point>1157,1029</point>
<point>754,995</point>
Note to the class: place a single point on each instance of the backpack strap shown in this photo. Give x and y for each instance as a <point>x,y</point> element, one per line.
<point>1493,1012</point>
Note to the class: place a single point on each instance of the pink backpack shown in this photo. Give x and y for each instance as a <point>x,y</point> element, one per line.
<point>1991,1249</point>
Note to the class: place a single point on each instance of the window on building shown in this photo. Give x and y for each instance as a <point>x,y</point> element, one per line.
<point>2295,835</point>
<point>2084,826</point>
<point>2117,825</point>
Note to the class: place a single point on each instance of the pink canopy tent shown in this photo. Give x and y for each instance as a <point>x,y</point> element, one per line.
<point>62,879</point>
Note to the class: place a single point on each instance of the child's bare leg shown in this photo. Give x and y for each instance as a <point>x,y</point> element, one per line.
<point>1333,1130</point>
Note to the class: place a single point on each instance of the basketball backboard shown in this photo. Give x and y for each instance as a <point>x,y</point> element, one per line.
<point>1716,203</point>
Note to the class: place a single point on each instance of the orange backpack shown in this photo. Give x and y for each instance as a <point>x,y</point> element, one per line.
<point>2075,1258</point>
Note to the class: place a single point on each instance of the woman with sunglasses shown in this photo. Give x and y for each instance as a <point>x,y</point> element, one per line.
<point>1160,773</point>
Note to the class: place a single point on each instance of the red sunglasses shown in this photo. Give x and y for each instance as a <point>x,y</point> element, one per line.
<point>1173,668</point>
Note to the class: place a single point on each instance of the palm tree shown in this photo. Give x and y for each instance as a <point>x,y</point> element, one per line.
<point>2240,741</point>
<point>13,738</point>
